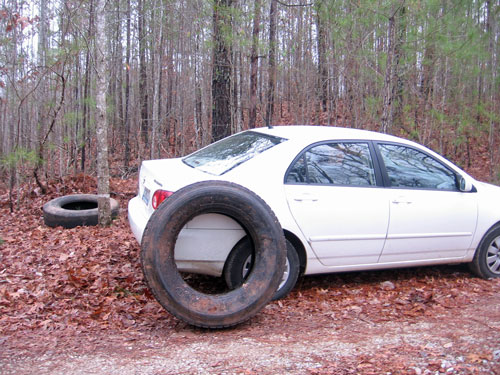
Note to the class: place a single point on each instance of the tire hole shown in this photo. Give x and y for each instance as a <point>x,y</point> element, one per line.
<point>199,233</point>
<point>204,283</point>
<point>80,206</point>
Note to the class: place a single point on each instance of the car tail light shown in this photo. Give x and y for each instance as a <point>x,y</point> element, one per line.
<point>159,196</point>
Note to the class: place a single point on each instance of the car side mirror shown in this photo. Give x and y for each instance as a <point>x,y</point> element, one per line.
<point>464,184</point>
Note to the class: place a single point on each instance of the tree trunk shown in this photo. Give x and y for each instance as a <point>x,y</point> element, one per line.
<point>271,88</point>
<point>117,84</point>
<point>427,91</point>
<point>43,93</point>
<point>254,66</point>
<point>491,23</point>
<point>104,208</point>
<point>86,88</point>
<point>13,139</point>
<point>221,73</point>
<point>322,48</point>
<point>143,90</point>
<point>388,81</point>
<point>397,116</point>
<point>157,77</point>
<point>126,157</point>
<point>198,102</point>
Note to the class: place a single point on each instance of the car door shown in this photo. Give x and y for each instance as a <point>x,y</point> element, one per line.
<point>333,195</point>
<point>430,218</point>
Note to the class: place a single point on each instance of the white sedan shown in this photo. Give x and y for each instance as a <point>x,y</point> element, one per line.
<point>347,200</point>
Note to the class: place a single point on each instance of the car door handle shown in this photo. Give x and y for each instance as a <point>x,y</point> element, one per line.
<point>401,200</point>
<point>305,198</point>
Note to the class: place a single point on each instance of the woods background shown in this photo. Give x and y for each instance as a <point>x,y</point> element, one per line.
<point>180,74</point>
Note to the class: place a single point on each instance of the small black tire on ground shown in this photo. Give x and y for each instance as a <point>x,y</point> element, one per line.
<point>165,281</point>
<point>486,261</point>
<point>240,261</point>
<point>70,211</point>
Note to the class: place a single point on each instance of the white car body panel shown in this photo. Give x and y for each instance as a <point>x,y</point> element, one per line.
<point>422,228</point>
<point>488,197</point>
<point>199,249</point>
<point>351,229</point>
<point>349,225</point>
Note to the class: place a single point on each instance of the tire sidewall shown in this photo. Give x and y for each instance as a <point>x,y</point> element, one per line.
<point>293,274</point>
<point>479,263</point>
<point>55,214</point>
<point>233,269</point>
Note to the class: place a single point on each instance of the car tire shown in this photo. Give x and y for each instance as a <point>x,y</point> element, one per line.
<point>70,211</point>
<point>486,262</point>
<point>165,281</point>
<point>240,261</point>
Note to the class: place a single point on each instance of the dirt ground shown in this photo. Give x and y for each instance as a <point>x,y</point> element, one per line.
<point>284,338</point>
<point>74,302</point>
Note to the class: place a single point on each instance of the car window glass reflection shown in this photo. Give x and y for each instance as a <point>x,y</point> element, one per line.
<point>407,167</point>
<point>345,164</point>
<point>222,156</point>
<point>297,173</point>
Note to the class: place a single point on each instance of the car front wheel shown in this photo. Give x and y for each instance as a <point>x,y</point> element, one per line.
<point>486,262</point>
<point>240,262</point>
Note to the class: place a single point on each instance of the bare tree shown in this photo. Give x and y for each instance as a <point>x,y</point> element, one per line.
<point>254,65</point>
<point>221,75</point>
<point>398,58</point>
<point>386,120</point>
<point>143,77</point>
<point>86,86</point>
<point>103,201</point>
<point>271,88</point>
<point>491,25</point>
<point>323,83</point>
<point>126,121</point>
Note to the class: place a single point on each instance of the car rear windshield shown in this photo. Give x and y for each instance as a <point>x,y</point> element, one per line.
<point>226,154</point>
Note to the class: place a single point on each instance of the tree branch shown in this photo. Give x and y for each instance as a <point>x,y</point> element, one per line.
<point>293,5</point>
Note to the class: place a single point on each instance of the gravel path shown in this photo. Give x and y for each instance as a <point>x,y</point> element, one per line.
<point>459,341</point>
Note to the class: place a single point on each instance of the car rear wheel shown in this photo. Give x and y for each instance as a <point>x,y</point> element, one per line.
<point>240,262</point>
<point>183,300</point>
<point>486,262</point>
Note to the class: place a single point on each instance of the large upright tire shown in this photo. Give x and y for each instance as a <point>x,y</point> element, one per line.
<point>165,281</point>
<point>74,210</point>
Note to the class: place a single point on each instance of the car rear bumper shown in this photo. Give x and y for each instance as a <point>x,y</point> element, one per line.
<point>137,217</point>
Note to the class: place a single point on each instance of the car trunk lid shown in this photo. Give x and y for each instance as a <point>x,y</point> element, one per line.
<point>165,174</point>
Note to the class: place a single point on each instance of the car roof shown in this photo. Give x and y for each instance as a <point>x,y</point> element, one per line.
<point>315,133</point>
<point>308,134</point>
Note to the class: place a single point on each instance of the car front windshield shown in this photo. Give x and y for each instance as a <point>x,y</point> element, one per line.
<point>226,154</point>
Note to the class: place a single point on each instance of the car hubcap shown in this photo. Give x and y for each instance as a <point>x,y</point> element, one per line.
<point>248,265</point>
<point>493,256</point>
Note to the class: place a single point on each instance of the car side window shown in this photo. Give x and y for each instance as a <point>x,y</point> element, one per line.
<point>339,163</point>
<point>298,172</point>
<point>410,168</point>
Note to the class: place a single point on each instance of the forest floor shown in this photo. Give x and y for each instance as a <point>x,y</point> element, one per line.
<point>73,301</point>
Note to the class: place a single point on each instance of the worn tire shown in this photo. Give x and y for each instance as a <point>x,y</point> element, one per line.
<point>70,211</point>
<point>486,261</point>
<point>238,260</point>
<point>166,283</point>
